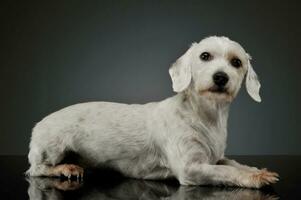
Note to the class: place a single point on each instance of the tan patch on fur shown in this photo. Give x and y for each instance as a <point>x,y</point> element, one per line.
<point>232,55</point>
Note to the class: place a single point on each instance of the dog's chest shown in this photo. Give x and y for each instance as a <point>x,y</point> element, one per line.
<point>213,141</point>
<point>217,143</point>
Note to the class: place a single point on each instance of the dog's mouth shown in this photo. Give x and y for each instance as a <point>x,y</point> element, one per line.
<point>219,90</point>
<point>217,93</point>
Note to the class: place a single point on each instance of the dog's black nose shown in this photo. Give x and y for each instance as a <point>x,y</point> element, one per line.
<point>220,79</point>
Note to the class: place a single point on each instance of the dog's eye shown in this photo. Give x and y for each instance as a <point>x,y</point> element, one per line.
<point>205,56</point>
<point>235,62</point>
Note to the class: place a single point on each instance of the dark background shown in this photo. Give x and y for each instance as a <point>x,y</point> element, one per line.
<point>60,53</point>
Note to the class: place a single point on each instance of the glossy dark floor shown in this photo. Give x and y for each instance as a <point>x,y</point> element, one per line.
<point>108,185</point>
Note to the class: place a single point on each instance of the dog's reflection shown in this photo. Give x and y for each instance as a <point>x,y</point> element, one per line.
<point>56,189</point>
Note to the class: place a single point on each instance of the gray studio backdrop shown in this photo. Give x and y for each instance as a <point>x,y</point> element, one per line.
<point>57,54</point>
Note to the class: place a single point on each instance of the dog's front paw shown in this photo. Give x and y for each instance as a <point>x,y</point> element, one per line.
<point>260,178</point>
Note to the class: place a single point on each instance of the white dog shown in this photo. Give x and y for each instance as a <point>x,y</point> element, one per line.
<point>183,136</point>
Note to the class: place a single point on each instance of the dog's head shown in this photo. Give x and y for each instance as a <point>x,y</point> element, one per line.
<point>215,68</point>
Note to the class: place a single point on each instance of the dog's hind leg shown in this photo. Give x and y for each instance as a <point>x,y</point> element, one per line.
<point>47,162</point>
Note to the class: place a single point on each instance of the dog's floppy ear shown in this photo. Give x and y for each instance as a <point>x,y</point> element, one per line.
<point>252,82</point>
<point>180,71</point>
